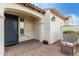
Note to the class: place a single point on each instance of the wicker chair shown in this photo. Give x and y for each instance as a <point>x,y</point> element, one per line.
<point>68,44</point>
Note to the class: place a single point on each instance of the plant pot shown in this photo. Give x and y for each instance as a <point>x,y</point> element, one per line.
<point>70,38</point>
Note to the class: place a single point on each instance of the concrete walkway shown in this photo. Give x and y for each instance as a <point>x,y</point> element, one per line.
<point>33,48</point>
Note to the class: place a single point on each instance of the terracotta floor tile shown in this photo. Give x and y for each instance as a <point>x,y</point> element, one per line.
<point>34,48</point>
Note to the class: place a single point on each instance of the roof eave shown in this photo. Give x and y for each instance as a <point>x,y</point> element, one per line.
<point>33,7</point>
<point>57,13</point>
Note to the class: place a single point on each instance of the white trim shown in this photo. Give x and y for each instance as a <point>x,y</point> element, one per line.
<point>2,16</point>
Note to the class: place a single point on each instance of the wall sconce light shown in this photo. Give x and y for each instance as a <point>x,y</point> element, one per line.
<point>53,18</point>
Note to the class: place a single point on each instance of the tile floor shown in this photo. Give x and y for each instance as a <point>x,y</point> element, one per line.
<point>34,48</point>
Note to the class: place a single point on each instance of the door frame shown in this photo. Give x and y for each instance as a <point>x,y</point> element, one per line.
<point>17,30</point>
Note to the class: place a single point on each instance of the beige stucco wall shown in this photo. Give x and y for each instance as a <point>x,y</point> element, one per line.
<point>55,28</point>
<point>31,29</point>
<point>2,32</point>
<point>47,26</point>
<point>70,27</point>
<point>28,30</point>
<point>36,29</point>
<point>1,35</point>
<point>51,28</point>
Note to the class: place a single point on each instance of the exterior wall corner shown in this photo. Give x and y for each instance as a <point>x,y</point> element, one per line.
<point>2,33</point>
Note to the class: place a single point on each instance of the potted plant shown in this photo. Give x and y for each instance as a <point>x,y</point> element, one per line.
<point>70,34</point>
<point>70,39</point>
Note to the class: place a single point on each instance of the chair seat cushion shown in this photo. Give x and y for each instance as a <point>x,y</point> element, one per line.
<point>67,44</point>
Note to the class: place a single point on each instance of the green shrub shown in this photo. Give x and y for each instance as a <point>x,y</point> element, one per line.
<point>68,32</point>
<point>77,32</point>
<point>71,32</point>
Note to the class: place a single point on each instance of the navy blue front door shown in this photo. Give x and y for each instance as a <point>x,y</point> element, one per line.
<point>11,29</point>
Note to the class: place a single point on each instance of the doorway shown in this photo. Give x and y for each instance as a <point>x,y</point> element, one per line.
<point>11,29</point>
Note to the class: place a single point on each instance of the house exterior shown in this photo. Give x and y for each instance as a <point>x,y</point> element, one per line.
<point>21,22</point>
<point>69,21</point>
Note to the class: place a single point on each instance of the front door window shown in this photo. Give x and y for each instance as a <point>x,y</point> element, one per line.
<point>22,26</point>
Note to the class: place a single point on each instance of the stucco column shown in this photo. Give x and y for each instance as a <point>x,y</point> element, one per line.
<point>2,32</point>
<point>41,30</point>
